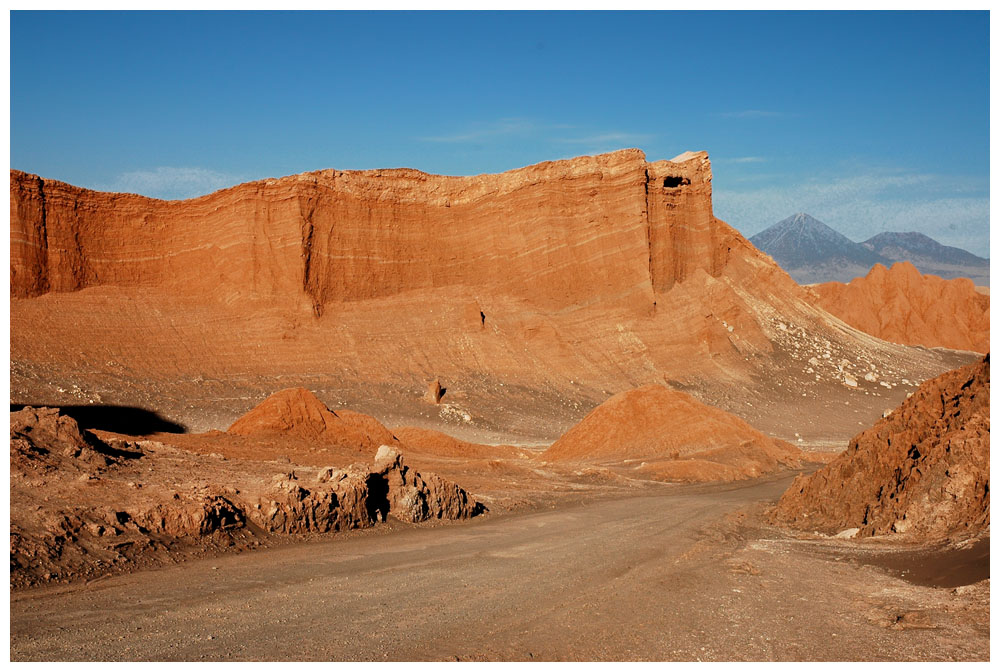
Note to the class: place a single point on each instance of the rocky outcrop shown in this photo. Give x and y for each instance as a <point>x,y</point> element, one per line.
<point>82,508</point>
<point>922,472</point>
<point>78,510</point>
<point>672,436</point>
<point>434,391</point>
<point>297,413</point>
<point>45,439</point>
<point>413,498</point>
<point>901,305</point>
<point>361,496</point>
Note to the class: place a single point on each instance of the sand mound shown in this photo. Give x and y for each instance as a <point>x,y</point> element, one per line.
<point>902,306</point>
<point>662,429</point>
<point>923,471</point>
<point>297,413</point>
<point>439,444</point>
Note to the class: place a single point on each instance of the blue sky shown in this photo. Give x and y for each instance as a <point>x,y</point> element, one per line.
<point>869,121</point>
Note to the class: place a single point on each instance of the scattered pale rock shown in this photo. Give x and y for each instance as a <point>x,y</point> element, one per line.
<point>849,533</point>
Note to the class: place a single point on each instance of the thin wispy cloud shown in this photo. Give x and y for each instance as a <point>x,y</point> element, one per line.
<point>750,114</point>
<point>486,131</point>
<point>606,138</point>
<point>863,204</point>
<point>742,159</point>
<point>171,183</point>
<point>556,134</point>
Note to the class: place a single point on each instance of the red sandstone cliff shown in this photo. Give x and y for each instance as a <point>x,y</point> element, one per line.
<point>566,280</point>
<point>620,222</point>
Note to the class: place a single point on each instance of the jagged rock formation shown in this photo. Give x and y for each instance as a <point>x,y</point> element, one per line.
<point>40,436</point>
<point>922,472</point>
<point>360,496</point>
<point>297,413</point>
<point>413,498</point>
<point>930,256</point>
<point>564,281</point>
<point>74,514</point>
<point>810,251</point>
<point>82,507</point>
<point>674,436</point>
<point>903,306</point>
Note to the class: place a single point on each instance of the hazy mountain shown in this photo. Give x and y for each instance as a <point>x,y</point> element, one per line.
<point>810,251</point>
<point>930,256</point>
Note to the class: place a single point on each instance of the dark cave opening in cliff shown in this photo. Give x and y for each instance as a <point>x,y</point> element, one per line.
<point>674,181</point>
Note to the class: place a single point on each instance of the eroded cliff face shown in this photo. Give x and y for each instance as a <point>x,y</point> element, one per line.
<point>901,305</point>
<point>619,223</point>
<point>533,295</point>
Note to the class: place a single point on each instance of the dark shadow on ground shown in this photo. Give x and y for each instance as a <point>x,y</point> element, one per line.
<point>938,568</point>
<point>121,419</point>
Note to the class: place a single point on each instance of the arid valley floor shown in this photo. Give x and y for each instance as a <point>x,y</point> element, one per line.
<point>557,413</point>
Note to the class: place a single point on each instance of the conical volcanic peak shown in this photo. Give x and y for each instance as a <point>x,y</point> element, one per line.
<point>810,251</point>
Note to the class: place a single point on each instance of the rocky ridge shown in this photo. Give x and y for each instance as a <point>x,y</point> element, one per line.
<point>899,304</point>
<point>922,472</point>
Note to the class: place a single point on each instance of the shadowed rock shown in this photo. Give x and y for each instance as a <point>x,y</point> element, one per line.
<point>922,472</point>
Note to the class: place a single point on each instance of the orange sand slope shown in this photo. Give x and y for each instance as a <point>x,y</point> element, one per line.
<point>297,413</point>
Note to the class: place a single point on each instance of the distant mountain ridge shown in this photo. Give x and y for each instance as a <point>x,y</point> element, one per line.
<point>811,252</point>
<point>930,256</point>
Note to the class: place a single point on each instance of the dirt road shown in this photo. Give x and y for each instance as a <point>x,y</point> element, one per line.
<point>685,573</point>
